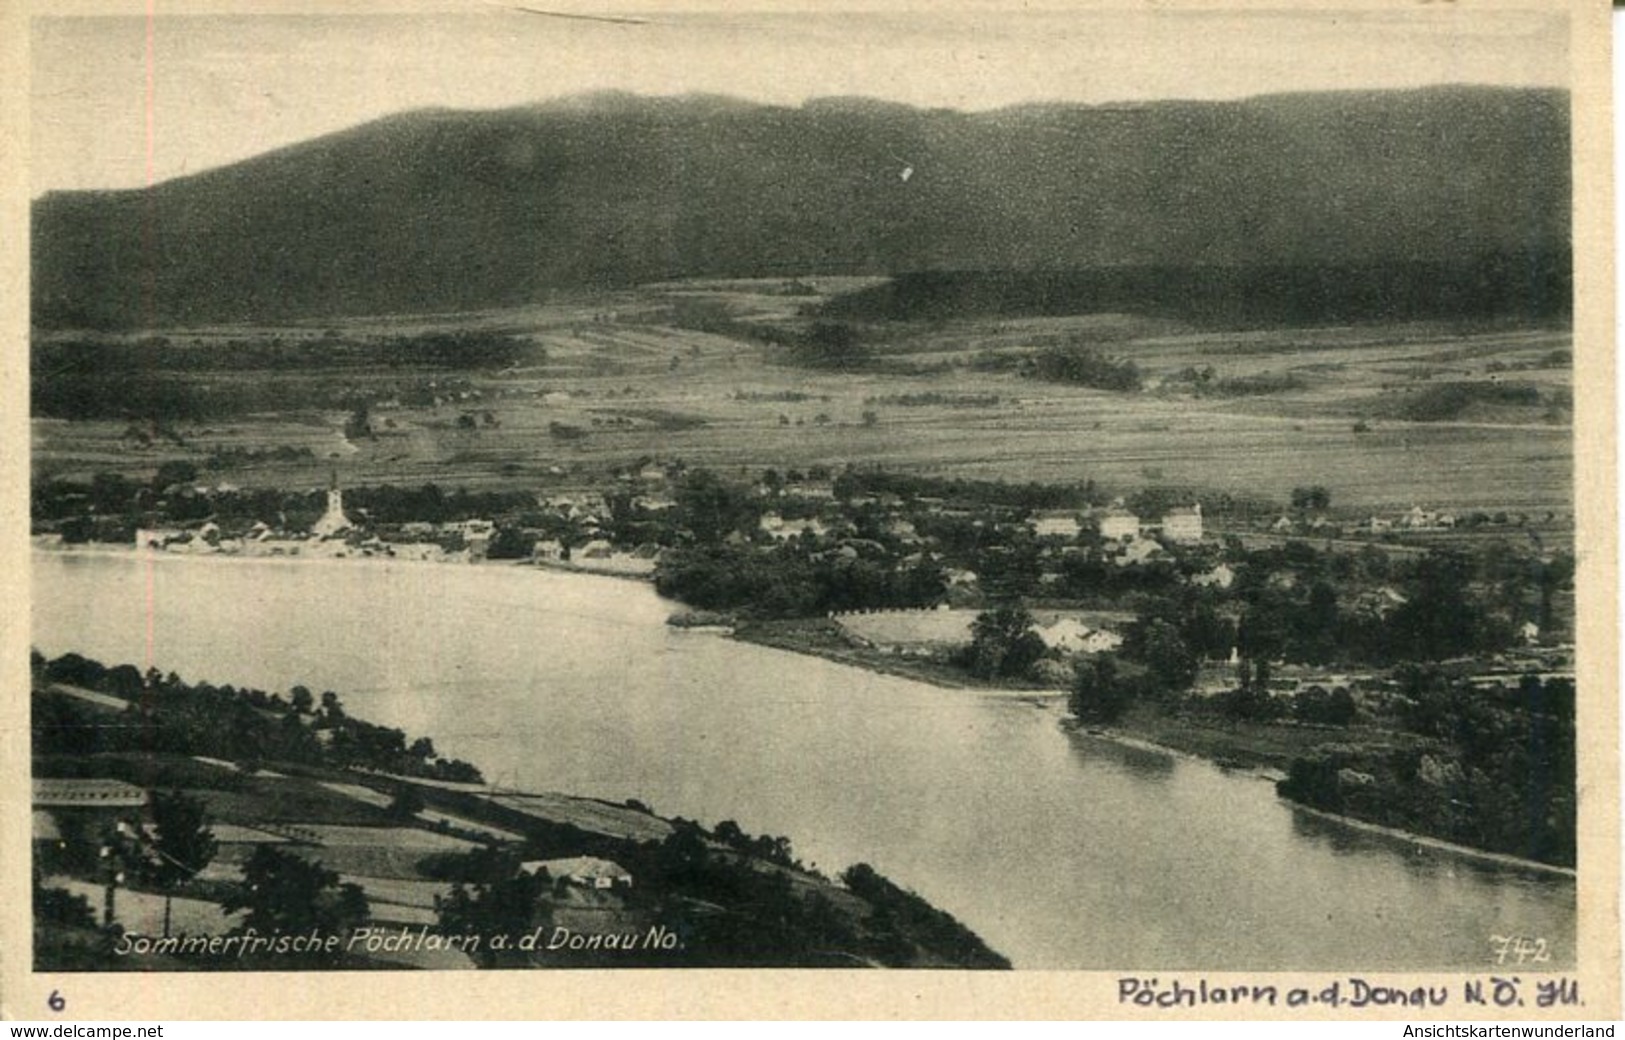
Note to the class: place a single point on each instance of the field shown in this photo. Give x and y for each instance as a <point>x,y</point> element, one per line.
<point>944,628</point>
<point>1384,416</point>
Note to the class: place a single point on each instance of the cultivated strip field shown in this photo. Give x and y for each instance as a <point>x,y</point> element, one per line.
<point>1386,416</point>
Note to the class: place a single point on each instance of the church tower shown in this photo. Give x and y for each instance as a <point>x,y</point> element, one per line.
<point>333,521</point>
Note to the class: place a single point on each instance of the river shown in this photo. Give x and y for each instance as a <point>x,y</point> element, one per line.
<point>1060,850</point>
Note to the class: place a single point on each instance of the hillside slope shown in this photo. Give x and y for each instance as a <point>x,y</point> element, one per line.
<point>437,210</point>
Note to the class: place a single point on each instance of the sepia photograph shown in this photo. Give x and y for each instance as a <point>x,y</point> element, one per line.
<point>980,488</point>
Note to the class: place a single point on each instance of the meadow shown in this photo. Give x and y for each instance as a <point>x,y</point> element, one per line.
<point>1386,416</point>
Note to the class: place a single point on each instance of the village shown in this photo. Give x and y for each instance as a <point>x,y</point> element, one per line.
<point>901,567</point>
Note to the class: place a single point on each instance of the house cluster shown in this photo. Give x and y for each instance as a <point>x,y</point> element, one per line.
<point>1071,636</point>
<point>1127,540</point>
<point>1178,526</point>
<point>334,536</point>
<point>779,529</point>
<point>1417,519</point>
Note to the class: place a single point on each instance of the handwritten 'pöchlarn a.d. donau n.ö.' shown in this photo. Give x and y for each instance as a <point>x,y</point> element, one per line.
<point>719,499</point>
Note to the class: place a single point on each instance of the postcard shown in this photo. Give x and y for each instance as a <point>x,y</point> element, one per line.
<point>779,510</point>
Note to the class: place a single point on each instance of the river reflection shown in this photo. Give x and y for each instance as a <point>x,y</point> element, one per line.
<point>1061,850</point>
<point>1426,859</point>
<point>1148,764</point>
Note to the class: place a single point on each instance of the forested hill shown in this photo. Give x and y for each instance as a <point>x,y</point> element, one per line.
<point>436,210</point>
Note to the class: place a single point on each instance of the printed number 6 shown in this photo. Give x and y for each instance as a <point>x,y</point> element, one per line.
<point>57,1001</point>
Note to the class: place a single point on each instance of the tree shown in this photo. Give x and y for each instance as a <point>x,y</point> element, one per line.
<point>1165,654</point>
<point>422,749</point>
<point>332,709</point>
<point>1098,694</point>
<point>1260,639</point>
<point>60,907</point>
<point>284,894</point>
<point>407,803</point>
<point>1441,619</point>
<point>1553,575</point>
<point>1313,498</point>
<point>1003,643</point>
<point>510,906</point>
<point>511,543</point>
<point>181,841</point>
<point>1316,627</point>
<point>1328,708</point>
<point>301,699</point>
<point>712,508</point>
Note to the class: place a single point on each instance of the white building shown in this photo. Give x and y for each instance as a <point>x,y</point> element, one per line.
<point>1183,525</point>
<point>332,522</point>
<point>781,529</point>
<point>1119,524</point>
<point>1056,525</point>
<point>586,871</point>
<point>1063,634</point>
<point>547,549</point>
<point>1139,551</point>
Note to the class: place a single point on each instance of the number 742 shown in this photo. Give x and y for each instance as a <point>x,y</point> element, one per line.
<point>1519,949</point>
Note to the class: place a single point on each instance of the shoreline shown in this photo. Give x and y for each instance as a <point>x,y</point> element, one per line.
<point>1499,859</point>
<point>900,670</point>
<point>39,543</point>
<point>1141,743</point>
<point>1039,697</point>
<point>1126,738</point>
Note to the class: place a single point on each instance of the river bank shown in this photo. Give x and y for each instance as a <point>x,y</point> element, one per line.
<point>1422,841</point>
<point>818,637</point>
<point>594,568</point>
<point>1251,749</point>
<point>560,682</point>
<point>1262,751</point>
<point>403,842</point>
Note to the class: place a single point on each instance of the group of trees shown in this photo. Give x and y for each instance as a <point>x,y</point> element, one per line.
<point>166,714</point>
<point>284,894</point>
<point>1084,365</point>
<point>1156,664</point>
<point>787,582</point>
<point>1496,770</point>
<point>1441,402</point>
<point>1003,645</point>
<point>430,503</point>
<point>158,379</point>
<point>472,349</point>
<point>732,899</point>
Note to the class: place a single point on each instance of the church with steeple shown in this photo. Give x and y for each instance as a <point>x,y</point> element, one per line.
<point>333,522</point>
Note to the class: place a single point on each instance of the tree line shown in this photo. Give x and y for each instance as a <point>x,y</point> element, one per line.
<point>247,725</point>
